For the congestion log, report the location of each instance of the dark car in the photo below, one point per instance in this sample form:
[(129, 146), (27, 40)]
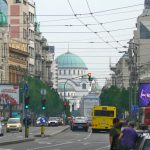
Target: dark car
[(79, 123)]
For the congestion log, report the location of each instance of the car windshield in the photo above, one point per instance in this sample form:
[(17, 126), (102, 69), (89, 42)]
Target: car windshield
[(13, 120), (53, 118)]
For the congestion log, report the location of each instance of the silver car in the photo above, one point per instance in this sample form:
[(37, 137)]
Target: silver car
[(143, 142), (1, 129)]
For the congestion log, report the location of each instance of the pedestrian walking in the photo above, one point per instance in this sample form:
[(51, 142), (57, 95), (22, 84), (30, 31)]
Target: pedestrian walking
[(128, 137), (114, 134)]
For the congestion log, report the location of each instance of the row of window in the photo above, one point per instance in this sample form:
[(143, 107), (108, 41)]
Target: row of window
[(30, 35), (27, 19), (31, 52), (71, 72)]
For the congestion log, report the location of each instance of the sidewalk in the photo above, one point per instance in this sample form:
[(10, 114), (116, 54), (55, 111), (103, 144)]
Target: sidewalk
[(49, 131)]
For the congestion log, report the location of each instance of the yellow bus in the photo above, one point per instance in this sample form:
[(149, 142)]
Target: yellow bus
[(102, 117)]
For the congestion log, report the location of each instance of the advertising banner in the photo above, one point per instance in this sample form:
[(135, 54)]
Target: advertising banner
[(9, 94), (144, 94)]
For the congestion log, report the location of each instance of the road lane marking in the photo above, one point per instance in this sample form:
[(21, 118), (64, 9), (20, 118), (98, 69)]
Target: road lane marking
[(103, 147), (4, 149), (88, 136), (50, 146), (86, 143)]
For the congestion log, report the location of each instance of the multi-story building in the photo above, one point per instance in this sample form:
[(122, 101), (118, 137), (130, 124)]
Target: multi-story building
[(141, 42), (21, 28), (47, 60), (17, 61), (3, 41), (30, 37), (38, 55), (121, 71)]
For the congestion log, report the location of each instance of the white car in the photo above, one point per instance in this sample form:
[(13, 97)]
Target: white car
[(1, 129), (53, 121)]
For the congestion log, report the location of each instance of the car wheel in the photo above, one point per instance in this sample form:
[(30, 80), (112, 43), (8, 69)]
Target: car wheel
[(93, 131)]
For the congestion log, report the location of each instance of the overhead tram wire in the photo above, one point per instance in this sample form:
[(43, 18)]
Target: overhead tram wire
[(101, 24), (106, 42), (96, 12), (90, 16), (76, 25)]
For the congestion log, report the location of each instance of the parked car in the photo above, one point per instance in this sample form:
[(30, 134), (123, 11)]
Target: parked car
[(60, 121), (2, 128), (14, 124), (143, 142), (79, 123), (53, 121)]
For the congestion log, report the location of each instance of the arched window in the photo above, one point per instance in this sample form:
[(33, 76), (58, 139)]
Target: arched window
[(64, 72), (83, 86), (69, 72), (74, 72)]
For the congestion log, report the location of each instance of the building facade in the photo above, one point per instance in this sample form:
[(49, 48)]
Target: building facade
[(141, 42), (121, 70)]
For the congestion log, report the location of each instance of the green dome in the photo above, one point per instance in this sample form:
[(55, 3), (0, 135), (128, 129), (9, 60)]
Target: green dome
[(69, 60), (3, 19), (68, 87)]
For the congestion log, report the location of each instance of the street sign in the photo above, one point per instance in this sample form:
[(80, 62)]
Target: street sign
[(43, 91), (135, 108), (42, 120), (25, 87)]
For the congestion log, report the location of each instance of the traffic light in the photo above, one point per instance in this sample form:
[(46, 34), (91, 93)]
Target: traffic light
[(27, 102), (89, 76), (43, 104)]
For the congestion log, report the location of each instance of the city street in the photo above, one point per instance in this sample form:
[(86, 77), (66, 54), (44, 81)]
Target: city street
[(78, 140)]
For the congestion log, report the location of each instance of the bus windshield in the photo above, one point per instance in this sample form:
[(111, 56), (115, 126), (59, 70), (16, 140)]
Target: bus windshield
[(104, 113)]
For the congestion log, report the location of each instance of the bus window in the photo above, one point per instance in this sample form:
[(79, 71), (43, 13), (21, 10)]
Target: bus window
[(104, 113)]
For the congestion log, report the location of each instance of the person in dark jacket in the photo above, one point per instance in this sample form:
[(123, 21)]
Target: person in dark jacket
[(114, 134)]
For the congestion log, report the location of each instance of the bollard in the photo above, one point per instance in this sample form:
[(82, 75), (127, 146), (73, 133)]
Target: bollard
[(26, 132), (42, 130)]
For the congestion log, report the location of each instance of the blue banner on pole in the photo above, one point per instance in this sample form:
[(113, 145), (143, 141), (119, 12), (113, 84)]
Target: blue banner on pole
[(135, 108), (25, 88)]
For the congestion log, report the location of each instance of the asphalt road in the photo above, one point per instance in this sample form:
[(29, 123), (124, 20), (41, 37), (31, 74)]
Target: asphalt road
[(67, 140), (33, 131)]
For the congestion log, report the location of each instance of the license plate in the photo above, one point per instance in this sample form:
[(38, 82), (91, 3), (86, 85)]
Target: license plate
[(80, 127)]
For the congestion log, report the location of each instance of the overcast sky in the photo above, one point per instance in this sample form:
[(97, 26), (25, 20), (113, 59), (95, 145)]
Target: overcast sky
[(96, 30)]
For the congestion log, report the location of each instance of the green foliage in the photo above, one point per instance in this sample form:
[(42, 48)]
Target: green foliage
[(114, 96), (54, 105)]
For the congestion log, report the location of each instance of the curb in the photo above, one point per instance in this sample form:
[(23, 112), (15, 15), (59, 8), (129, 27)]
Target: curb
[(17, 141), (49, 135)]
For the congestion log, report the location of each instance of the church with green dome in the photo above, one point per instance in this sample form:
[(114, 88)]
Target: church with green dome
[(73, 82)]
